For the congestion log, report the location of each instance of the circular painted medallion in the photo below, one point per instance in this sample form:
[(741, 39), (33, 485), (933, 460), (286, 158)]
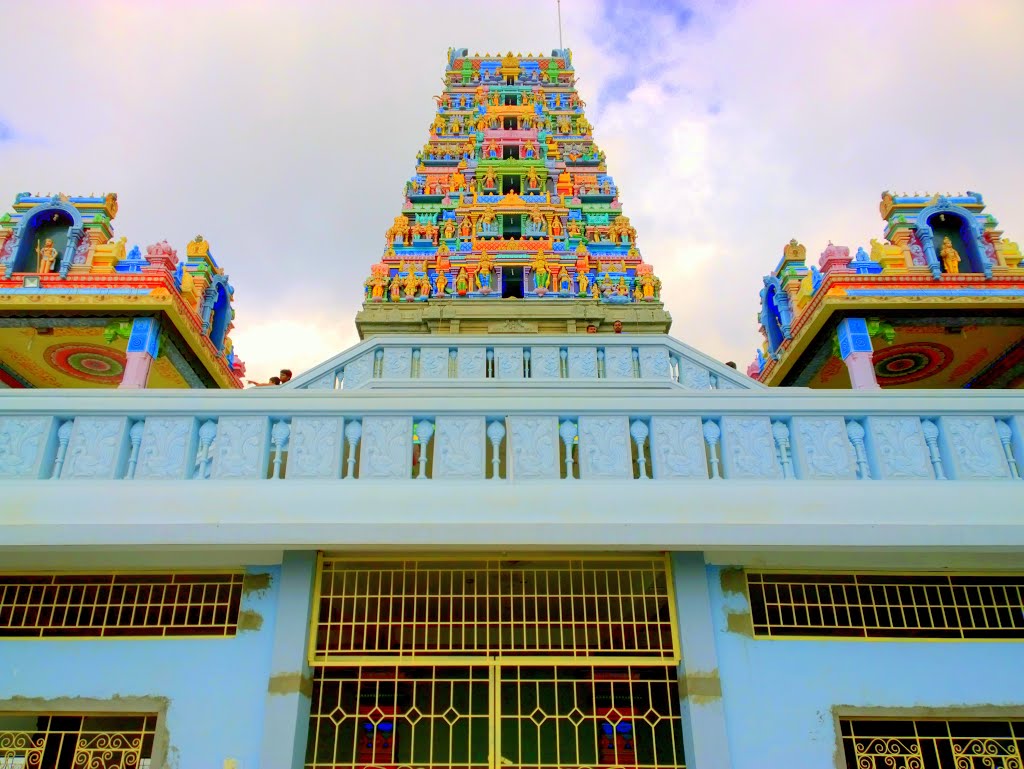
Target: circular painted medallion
[(906, 363), (88, 362)]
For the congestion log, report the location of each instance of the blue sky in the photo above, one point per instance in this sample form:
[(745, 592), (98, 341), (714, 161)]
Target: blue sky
[(284, 132)]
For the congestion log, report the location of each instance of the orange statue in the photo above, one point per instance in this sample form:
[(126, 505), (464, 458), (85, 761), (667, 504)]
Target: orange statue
[(564, 186), (532, 179), (47, 256), (556, 226), (396, 289), (490, 181), (456, 181), (582, 257), (466, 227)]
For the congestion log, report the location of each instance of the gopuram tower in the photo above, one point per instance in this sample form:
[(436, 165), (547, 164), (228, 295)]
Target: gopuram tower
[(511, 222)]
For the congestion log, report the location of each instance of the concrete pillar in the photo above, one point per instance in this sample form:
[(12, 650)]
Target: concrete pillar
[(286, 715), (855, 348), (704, 730), (143, 348)]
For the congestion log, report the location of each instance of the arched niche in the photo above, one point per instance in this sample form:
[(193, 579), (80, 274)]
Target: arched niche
[(55, 221), (945, 220), (217, 311), (776, 315)]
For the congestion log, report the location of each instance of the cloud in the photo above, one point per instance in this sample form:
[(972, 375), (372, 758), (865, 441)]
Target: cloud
[(285, 138)]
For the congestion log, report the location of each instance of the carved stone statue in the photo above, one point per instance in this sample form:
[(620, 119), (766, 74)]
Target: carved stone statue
[(484, 273), (950, 257), (449, 228), (461, 282), (490, 181), (564, 282), (396, 289), (440, 283), (47, 255), (584, 281), (532, 179), (541, 274)]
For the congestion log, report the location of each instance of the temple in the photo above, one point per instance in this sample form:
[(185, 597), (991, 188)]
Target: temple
[(79, 308), (518, 526), (938, 303)]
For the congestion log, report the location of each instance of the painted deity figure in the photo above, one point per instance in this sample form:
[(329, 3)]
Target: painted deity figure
[(461, 282), (438, 125), (532, 178), (950, 257), (396, 289), (376, 284), (622, 289), (564, 282), (440, 283), (412, 283), (490, 181), (484, 275), (424, 287), (584, 280), (556, 226), (541, 274), (466, 227), (449, 228), (47, 255), (647, 286), (456, 181), (575, 230)]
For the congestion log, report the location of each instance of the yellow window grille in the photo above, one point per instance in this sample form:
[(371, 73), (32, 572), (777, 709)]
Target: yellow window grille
[(932, 743), (578, 607), (75, 741), (477, 717), (104, 605), (866, 605)]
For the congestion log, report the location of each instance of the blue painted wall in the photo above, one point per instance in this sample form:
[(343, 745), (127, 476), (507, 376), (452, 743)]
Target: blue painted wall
[(779, 695), (217, 687)]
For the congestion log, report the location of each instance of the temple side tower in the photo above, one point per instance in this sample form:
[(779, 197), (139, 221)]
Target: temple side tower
[(511, 222)]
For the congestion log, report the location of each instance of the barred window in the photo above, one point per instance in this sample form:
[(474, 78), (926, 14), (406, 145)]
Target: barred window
[(865, 605), (106, 605), (579, 607), (75, 741), (931, 743)]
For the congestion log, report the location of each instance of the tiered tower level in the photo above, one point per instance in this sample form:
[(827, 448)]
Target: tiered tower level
[(511, 200), (937, 303), (80, 308)]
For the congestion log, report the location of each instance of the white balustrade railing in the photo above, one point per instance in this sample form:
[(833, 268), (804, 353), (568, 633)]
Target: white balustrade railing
[(576, 358), (575, 434)]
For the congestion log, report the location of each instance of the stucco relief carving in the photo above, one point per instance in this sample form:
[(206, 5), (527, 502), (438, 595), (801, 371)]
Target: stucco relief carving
[(748, 448), (359, 371), (693, 376), (168, 448), (315, 447), (899, 448), (460, 450), (604, 448), (324, 382), (823, 450), (677, 448), (654, 363), (26, 446), (434, 363), (534, 444), (545, 363), (98, 448), (976, 449), (471, 362), (386, 447), (241, 448), (583, 363), (509, 364), (397, 362), (618, 362)]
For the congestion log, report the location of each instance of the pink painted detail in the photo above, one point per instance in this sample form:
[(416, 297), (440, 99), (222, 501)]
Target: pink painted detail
[(753, 370), (834, 259), (862, 371), (510, 135), (162, 256), (136, 371)]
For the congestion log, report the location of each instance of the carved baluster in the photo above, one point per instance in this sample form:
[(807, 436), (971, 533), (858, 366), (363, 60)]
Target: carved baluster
[(563, 368), (567, 431), (207, 434), (931, 437), (526, 363), (415, 367), (712, 434), (1005, 436), (489, 366), (495, 432), (674, 368), (378, 363), (636, 363), (639, 431), (63, 436), (780, 431), (279, 437), (713, 377), (421, 435), (135, 434), (353, 432), (453, 363), (855, 432), (601, 372)]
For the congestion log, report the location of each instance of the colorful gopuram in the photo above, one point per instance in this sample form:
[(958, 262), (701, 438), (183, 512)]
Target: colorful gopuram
[(79, 308), (938, 302), (511, 199)]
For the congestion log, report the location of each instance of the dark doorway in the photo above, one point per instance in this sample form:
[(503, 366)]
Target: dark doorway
[(510, 153), (511, 226), (511, 100), (508, 123), (511, 282), (509, 184), (510, 80)]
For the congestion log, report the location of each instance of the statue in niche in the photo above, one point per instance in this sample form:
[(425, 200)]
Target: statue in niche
[(411, 284), (484, 273), (47, 255), (917, 257), (466, 227), (449, 229), (595, 290), (396, 289), (584, 280), (456, 181), (438, 125), (424, 287), (440, 284), (556, 227), (541, 274), (461, 282), (950, 257), (532, 178), (490, 181), (564, 282), (575, 230)]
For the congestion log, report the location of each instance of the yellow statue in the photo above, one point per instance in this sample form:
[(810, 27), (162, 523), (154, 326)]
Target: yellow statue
[(457, 181), (647, 285), (490, 180), (411, 284), (541, 273), (582, 126), (950, 257), (449, 228), (622, 288), (396, 289), (461, 282), (47, 256), (584, 282), (638, 295), (595, 290), (376, 283), (438, 125), (532, 178), (441, 283)]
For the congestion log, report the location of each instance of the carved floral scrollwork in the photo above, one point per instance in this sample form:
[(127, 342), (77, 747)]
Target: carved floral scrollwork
[(583, 363), (386, 450), (22, 441), (748, 448), (166, 449), (460, 451), (605, 447), (534, 447), (677, 448), (900, 447), (544, 363), (241, 448)]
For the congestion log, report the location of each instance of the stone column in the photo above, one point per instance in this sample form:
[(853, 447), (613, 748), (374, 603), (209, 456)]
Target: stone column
[(143, 347), (286, 715), (704, 732), (855, 349)]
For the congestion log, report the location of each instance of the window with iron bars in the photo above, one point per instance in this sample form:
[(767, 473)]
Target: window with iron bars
[(76, 741), (542, 663), (932, 743)]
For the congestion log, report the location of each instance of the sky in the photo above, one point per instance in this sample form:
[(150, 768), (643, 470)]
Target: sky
[(284, 132)]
